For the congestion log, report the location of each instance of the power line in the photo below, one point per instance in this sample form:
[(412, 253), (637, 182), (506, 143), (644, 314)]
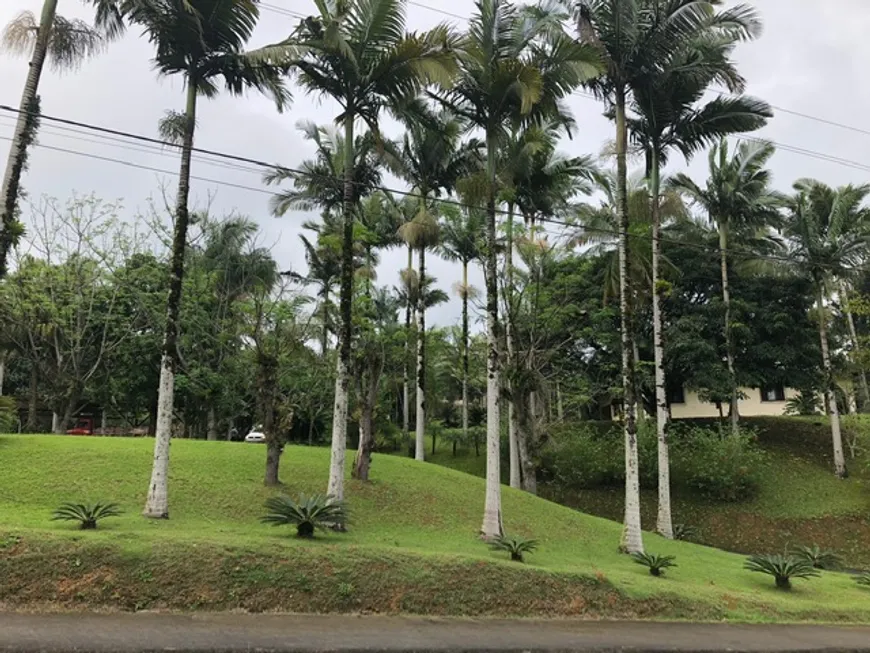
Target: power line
[(140, 166), (403, 193)]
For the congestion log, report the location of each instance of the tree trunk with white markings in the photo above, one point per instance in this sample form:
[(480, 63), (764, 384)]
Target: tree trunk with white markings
[(335, 488), (833, 411), (734, 410), (157, 503), (420, 431), (632, 538), (664, 521), (492, 519)]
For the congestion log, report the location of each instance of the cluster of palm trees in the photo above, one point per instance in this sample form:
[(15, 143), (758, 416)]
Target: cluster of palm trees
[(503, 84)]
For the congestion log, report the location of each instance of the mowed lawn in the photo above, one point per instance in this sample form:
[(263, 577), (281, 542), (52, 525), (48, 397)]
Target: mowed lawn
[(410, 511)]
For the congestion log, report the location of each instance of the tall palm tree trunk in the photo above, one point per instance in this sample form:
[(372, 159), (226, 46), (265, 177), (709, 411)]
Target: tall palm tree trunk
[(492, 520), (734, 412), (23, 136), (833, 411), (513, 426), (406, 391), (335, 488), (856, 350), (664, 522), (324, 330), (420, 448), (632, 538), (157, 503), (465, 358)]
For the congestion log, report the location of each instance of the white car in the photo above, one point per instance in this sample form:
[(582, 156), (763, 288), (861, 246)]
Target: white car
[(255, 436)]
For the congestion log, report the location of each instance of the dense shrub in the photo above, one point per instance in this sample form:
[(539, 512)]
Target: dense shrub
[(721, 468), (580, 458), (8, 416), (725, 468)]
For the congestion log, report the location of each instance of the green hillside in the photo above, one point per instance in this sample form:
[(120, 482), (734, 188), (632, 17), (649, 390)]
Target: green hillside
[(412, 544)]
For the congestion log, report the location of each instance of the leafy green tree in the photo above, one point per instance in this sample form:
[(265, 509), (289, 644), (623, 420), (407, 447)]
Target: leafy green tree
[(202, 41), (738, 200), (357, 52), (828, 230), (64, 44)]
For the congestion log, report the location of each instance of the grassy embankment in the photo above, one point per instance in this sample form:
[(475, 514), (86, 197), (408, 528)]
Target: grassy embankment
[(800, 500), (412, 546)]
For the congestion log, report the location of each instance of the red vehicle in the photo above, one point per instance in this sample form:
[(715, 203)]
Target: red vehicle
[(83, 426)]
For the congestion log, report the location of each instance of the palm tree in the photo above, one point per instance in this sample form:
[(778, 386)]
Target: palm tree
[(669, 119), (461, 233), (357, 52), (828, 230), (634, 38), (237, 268), (431, 160), (738, 200), (323, 271), (543, 184), (500, 83), (64, 44), (319, 182), (202, 41)]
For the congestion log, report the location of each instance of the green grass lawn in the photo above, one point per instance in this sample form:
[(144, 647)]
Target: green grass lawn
[(412, 542), (800, 500)]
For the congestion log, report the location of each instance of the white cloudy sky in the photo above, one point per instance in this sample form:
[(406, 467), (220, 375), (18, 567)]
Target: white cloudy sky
[(812, 60)]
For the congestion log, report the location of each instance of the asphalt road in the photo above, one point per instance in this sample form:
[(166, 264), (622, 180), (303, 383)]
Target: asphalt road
[(232, 633)]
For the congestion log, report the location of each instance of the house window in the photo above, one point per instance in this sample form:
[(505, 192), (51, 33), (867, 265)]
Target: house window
[(677, 395), (772, 393)]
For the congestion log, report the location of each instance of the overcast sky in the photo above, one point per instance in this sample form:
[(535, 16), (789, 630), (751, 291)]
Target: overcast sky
[(811, 59)]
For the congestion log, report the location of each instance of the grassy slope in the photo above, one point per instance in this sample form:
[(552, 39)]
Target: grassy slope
[(412, 545), (800, 500)]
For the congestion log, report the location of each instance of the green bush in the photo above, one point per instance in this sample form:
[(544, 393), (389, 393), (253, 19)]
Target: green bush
[(719, 468), (725, 468), (8, 415), (863, 579), (581, 458)]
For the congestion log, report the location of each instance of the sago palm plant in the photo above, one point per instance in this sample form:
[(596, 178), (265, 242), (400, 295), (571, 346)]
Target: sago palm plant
[(515, 545), (306, 513), (87, 514), (783, 568)]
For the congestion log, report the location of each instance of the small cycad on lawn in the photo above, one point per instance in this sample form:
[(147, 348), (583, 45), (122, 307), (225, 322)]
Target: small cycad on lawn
[(87, 514), (685, 532), (782, 568), (818, 558), (864, 579), (306, 514), (655, 563), (515, 545)]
